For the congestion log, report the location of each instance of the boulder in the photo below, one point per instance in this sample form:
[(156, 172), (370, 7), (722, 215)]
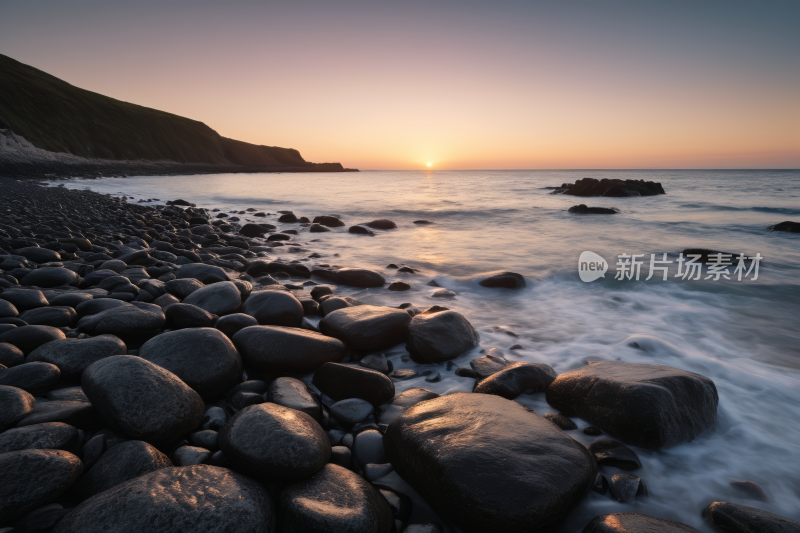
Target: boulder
[(218, 298), (334, 500), (650, 406), (489, 364), (73, 356), (30, 479), (381, 223), (124, 321), (792, 227), (47, 277), (501, 279), (341, 382), (58, 317), (180, 316), (738, 518), (438, 334), (201, 272), (635, 523), (48, 436), (252, 230), (35, 378), (359, 277), (281, 349), (360, 230), (367, 327), (318, 228), (612, 187), (329, 220), (176, 499), (297, 445), (334, 303), (274, 308), (489, 464), (203, 358), (142, 399), (28, 338), (516, 378)]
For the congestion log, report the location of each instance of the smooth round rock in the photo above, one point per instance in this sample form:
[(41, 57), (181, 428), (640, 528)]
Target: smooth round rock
[(70, 299), (328, 220), (182, 315), (334, 500), (502, 279), (359, 277), (368, 448), (30, 479), (205, 439), (28, 338), (281, 349), (142, 399), (49, 277), (124, 461), (351, 411), (635, 523), (73, 356), (489, 464), (438, 334), (190, 455), (48, 436), (341, 382), (10, 355), (231, 324), (218, 298), (124, 321), (293, 393), (381, 223), (514, 379), (182, 288), (92, 307), (367, 327), (7, 309), (738, 518), (36, 377), (23, 300), (203, 273), (669, 405), (58, 317), (176, 499), (80, 414), (297, 445), (38, 255), (387, 413), (274, 308)]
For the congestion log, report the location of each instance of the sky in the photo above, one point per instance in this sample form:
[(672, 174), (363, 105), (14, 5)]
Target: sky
[(460, 85)]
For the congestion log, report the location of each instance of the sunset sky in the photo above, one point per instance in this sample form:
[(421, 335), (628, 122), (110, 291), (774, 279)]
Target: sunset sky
[(394, 85)]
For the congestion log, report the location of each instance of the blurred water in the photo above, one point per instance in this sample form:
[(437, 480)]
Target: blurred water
[(742, 334)]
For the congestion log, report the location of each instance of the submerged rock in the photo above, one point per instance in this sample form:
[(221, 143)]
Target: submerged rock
[(635, 523), (502, 279), (489, 464), (613, 187), (583, 210), (792, 227)]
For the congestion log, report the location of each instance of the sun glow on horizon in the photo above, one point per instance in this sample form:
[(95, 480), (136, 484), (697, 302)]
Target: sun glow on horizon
[(429, 164)]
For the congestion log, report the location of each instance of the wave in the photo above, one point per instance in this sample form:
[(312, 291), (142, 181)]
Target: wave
[(757, 209)]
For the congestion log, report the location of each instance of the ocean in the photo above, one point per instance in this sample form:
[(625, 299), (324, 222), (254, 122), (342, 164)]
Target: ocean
[(743, 334)]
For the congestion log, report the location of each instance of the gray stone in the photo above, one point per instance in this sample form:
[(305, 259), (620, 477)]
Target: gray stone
[(92, 307), (214, 418), (28, 338), (514, 379), (49, 277), (376, 362), (203, 273), (334, 303), (142, 399), (68, 394), (438, 334), (368, 448), (359, 277), (38, 255), (204, 358), (205, 439), (81, 414), (181, 288), (342, 456), (282, 349), (231, 324), (274, 308), (124, 321), (387, 413), (190, 456), (351, 411), (73, 356), (7, 309), (625, 488), (24, 299), (373, 471), (341, 382), (739, 518), (635, 523), (502, 279), (218, 298), (36, 378), (49, 436), (10, 355), (176, 499), (293, 393), (58, 317), (367, 327), (182, 315), (612, 453)]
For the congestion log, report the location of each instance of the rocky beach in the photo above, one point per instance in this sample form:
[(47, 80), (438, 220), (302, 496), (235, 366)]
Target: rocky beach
[(165, 367)]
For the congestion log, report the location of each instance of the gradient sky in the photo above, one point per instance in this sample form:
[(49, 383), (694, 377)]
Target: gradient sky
[(373, 85)]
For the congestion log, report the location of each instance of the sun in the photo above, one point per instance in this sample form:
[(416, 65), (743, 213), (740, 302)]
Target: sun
[(429, 164)]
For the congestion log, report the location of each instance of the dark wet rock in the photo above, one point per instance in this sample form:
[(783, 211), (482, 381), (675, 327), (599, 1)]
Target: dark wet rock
[(368, 448), (190, 456), (376, 362), (341, 456), (35, 378), (203, 273), (180, 316), (281, 349), (253, 385), (58, 317), (297, 446), (535, 473), (422, 222), (583, 210), (351, 411), (360, 230), (165, 300), (321, 290), (334, 303), (278, 237), (218, 298), (49, 436), (205, 439), (625, 487), (341, 382), (317, 228), (612, 187), (38, 255), (376, 471), (438, 334), (124, 321), (792, 227), (398, 286), (381, 223), (650, 406), (125, 461), (561, 421), (68, 394), (10, 355), (92, 307), (488, 364), (242, 399), (22, 300), (73, 356), (424, 528), (28, 338), (293, 393), (7, 309), (514, 379), (42, 519), (329, 220), (387, 413), (612, 453), (600, 485), (274, 308), (751, 489), (21, 480), (142, 399), (359, 277), (592, 431), (334, 500), (403, 374), (231, 324), (444, 293), (214, 418), (635, 523), (467, 373), (182, 288), (70, 299), (738, 518), (80, 414), (501, 279), (367, 327), (176, 499), (253, 230), (50, 277), (203, 358)]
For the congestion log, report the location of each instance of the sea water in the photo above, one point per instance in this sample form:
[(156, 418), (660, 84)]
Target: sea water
[(741, 334)]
